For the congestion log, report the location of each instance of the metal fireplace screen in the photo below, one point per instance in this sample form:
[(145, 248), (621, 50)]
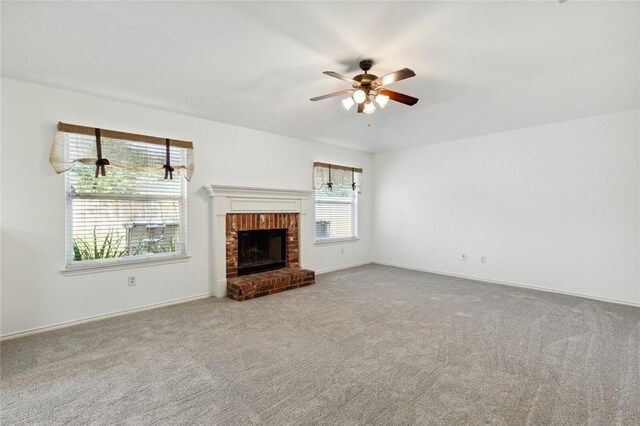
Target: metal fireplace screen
[(261, 250)]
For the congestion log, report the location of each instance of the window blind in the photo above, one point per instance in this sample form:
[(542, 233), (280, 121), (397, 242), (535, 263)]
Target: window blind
[(333, 176), (335, 213), (131, 213), (337, 189), (112, 144)]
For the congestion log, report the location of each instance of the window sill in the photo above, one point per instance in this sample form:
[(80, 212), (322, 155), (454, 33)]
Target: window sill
[(92, 269), (336, 241)]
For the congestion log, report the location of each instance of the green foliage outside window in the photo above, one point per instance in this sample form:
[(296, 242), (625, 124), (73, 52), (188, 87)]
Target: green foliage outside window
[(98, 247), (335, 192), (116, 182)]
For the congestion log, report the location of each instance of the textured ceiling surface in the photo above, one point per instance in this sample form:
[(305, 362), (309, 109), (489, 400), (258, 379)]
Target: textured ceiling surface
[(482, 67)]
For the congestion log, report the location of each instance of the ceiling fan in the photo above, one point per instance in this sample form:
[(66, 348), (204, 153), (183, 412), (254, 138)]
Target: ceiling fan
[(365, 88)]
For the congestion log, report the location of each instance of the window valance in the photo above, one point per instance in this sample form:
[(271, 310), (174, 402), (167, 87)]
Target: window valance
[(109, 148), (333, 176)]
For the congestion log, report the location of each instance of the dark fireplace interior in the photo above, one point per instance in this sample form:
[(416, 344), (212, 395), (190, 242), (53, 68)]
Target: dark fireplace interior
[(261, 250)]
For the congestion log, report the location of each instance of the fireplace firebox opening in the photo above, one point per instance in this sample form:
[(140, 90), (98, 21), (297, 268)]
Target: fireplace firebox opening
[(261, 250)]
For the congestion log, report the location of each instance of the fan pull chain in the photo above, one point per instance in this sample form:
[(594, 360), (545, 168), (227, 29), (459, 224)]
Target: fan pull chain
[(330, 184)]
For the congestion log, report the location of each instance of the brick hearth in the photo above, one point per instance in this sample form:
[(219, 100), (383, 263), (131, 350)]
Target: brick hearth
[(271, 282)]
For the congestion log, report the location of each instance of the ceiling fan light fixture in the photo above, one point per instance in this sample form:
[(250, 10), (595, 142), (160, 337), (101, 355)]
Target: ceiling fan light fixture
[(347, 103), (382, 100), (369, 108), (359, 96), (367, 90)]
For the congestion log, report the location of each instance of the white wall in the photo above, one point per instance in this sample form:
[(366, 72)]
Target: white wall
[(34, 292), (555, 206)]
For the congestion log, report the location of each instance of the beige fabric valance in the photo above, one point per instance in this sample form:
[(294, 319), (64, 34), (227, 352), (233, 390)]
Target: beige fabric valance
[(109, 148), (334, 176)]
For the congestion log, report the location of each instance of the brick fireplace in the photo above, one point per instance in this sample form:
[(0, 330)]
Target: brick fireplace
[(260, 221), (239, 211)]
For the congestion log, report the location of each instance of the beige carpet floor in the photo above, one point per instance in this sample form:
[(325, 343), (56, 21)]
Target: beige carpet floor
[(369, 345)]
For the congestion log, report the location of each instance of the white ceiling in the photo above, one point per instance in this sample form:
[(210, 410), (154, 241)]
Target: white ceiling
[(481, 67)]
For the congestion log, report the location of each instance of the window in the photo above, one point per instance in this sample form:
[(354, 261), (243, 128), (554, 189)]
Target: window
[(130, 214), (337, 190), (336, 214)]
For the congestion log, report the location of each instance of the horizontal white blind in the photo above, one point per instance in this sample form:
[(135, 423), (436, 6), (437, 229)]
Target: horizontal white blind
[(129, 213), (335, 213)]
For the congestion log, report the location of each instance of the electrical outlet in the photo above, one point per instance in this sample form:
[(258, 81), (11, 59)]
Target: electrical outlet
[(132, 281), (464, 256), (483, 259), (341, 250)]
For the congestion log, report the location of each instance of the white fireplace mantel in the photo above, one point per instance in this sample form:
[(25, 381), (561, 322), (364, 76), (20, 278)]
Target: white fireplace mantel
[(239, 199)]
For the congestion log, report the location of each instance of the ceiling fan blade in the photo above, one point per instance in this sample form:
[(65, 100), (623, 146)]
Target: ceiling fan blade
[(394, 76), (341, 77), (331, 95), (399, 97), (361, 107)]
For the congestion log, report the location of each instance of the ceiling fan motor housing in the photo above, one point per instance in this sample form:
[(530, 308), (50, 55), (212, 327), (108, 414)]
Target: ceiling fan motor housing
[(366, 65), (365, 79)]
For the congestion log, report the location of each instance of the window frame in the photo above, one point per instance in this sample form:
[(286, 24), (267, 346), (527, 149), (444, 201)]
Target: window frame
[(87, 266), (354, 217)]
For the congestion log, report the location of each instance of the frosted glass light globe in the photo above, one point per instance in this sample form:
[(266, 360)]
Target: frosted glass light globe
[(382, 100), (359, 96), (369, 108), (347, 103)]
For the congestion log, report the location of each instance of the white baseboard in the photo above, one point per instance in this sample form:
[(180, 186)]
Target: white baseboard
[(340, 268), (44, 329), (101, 317), (511, 284)]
